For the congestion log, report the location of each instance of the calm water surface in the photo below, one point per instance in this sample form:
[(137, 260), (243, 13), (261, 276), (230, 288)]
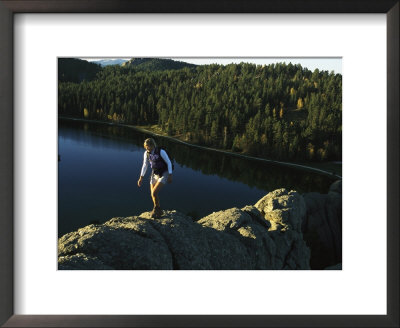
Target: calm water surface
[(100, 164)]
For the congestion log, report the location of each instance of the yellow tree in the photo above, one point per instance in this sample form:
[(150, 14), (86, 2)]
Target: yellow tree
[(310, 150), (300, 103)]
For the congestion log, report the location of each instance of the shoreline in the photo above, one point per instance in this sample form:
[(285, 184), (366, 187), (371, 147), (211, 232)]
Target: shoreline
[(299, 166)]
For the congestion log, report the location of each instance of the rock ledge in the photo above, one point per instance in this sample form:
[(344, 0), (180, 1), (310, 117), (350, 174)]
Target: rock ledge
[(264, 236)]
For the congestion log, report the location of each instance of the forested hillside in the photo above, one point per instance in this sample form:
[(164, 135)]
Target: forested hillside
[(155, 64), (279, 111), (76, 70)]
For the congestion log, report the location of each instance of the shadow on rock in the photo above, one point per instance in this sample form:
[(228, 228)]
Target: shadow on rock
[(322, 226)]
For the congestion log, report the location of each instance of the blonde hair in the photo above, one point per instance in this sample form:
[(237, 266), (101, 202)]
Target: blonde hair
[(150, 142)]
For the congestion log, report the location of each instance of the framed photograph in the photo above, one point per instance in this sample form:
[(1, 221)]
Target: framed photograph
[(218, 55)]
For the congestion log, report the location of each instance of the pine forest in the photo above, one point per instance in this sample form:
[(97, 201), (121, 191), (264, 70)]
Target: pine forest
[(278, 111)]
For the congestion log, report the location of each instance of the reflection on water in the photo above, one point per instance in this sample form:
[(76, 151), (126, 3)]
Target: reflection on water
[(100, 165)]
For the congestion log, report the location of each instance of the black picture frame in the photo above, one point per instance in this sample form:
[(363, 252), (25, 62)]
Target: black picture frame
[(10, 7)]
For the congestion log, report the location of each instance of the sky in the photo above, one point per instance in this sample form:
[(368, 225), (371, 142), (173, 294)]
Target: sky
[(323, 64)]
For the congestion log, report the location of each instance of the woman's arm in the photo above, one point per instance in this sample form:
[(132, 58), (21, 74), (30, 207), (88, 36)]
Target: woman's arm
[(144, 169), (145, 164)]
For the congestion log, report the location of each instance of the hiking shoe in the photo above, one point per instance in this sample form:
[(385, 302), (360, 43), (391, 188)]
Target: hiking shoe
[(157, 212)]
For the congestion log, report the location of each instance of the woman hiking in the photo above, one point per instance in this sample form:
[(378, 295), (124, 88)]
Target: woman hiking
[(161, 172)]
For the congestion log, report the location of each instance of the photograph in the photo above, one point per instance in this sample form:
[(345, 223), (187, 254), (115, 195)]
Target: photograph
[(202, 164), (199, 163)]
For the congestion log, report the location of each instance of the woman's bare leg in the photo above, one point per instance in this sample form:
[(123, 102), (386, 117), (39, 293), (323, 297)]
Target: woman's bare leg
[(155, 189)]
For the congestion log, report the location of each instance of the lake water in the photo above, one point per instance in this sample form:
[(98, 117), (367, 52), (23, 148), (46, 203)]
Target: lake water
[(100, 164)]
